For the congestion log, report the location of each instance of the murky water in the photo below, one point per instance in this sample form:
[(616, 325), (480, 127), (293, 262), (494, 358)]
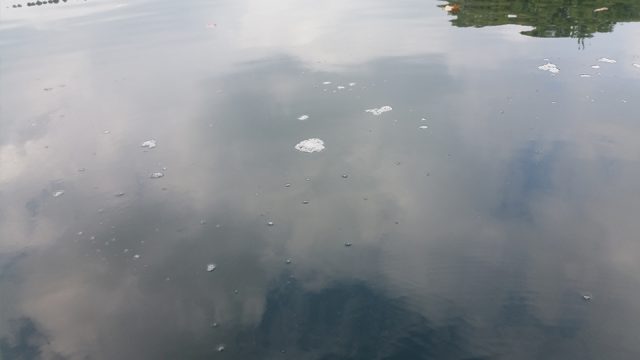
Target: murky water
[(470, 201)]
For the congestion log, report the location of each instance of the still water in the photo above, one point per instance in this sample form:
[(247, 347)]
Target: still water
[(298, 179)]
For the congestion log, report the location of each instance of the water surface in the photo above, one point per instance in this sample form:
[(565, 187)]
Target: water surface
[(490, 214)]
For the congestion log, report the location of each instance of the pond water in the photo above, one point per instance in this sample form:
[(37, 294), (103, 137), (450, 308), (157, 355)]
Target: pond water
[(297, 179)]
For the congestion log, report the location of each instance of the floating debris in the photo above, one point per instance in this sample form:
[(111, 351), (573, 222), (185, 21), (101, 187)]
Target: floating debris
[(380, 110), (348, 244), (106, 132), (345, 176), (587, 297), (287, 261), (305, 202), (326, 83), (552, 68), (303, 117), (512, 16), (149, 144), (340, 87), (120, 194), (595, 66), (606, 60), (270, 223), (423, 127), (585, 75), (352, 84), (637, 65), (600, 9), (452, 8), (287, 185), (310, 145), (156, 175), (211, 267), (58, 193), (220, 347), (136, 256)]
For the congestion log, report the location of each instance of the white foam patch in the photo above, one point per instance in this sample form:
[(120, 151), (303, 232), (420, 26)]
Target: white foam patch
[(380, 110), (585, 75), (606, 60), (149, 144), (637, 65), (552, 68), (310, 145), (303, 117), (58, 193), (595, 66)]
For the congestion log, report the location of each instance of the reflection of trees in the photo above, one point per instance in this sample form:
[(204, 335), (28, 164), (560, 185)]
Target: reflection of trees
[(350, 321), (549, 18)]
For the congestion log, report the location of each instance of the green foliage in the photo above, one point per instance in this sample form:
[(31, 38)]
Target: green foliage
[(549, 18)]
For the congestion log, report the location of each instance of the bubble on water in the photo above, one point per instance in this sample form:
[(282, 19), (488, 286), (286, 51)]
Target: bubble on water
[(345, 176), (58, 193), (270, 223), (310, 145), (211, 267), (607, 60), (149, 144), (220, 348), (380, 110), (552, 68), (156, 175), (348, 244), (136, 256), (288, 261), (303, 117), (423, 127)]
